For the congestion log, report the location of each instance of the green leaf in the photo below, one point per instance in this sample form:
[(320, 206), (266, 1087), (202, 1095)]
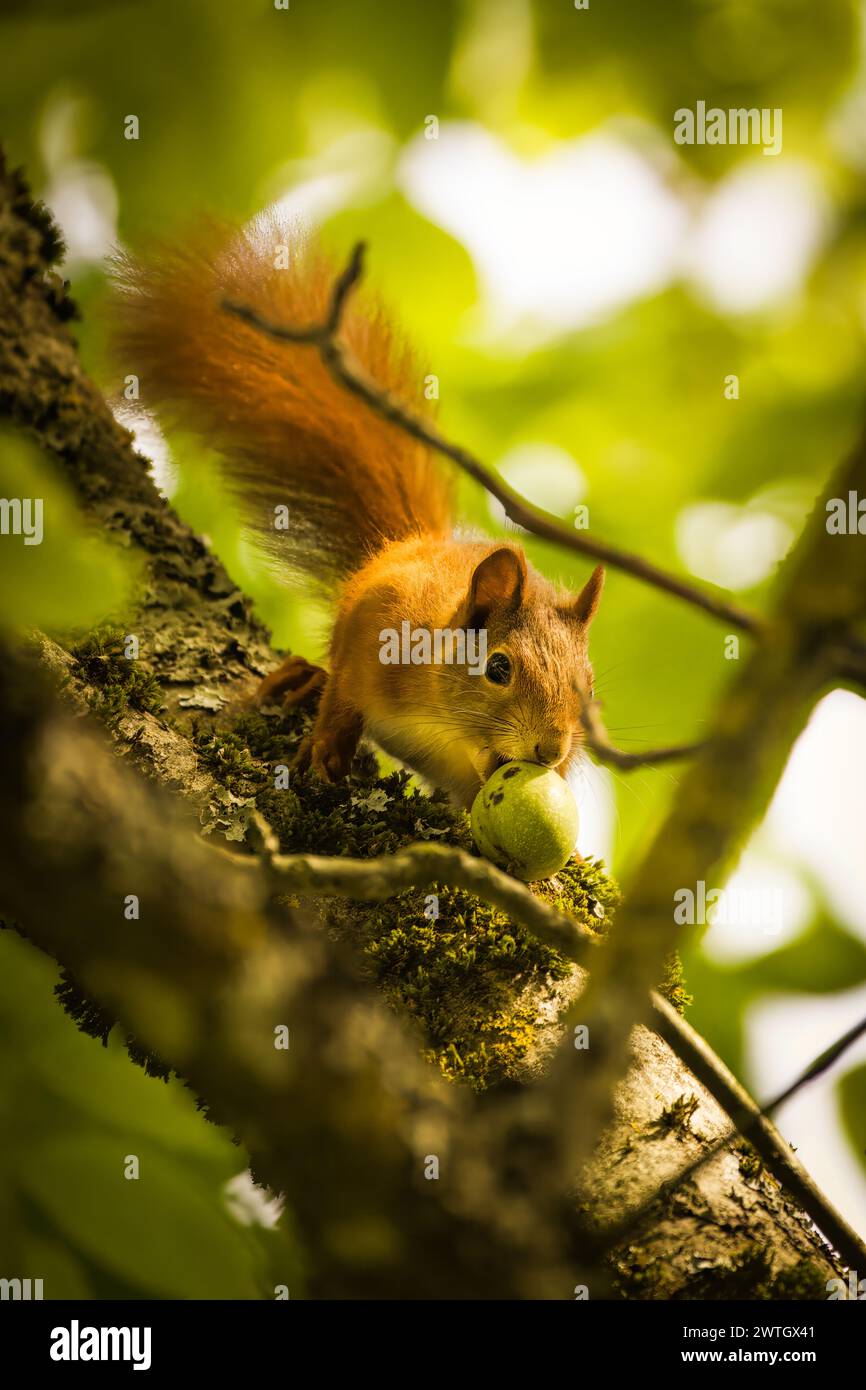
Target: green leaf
[(61, 574), (64, 1065), (824, 959), (158, 1233), (61, 1273), (851, 1098)]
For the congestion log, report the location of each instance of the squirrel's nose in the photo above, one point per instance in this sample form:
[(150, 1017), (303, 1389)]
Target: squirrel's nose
[(550, 752)]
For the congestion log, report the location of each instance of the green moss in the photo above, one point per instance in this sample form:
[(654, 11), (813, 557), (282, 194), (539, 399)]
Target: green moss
[(468, 977), (678, 1117), (52, 246), (471, 981), (751, 1166), (461, 978), (803, 1282), (673, 984), (748, 1276), (751, 1277), (229, 760), (119, 683)]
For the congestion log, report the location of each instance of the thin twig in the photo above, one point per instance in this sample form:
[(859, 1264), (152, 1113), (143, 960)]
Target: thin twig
[(751, 1122), (346, 370), (419, 865), (598, 741)]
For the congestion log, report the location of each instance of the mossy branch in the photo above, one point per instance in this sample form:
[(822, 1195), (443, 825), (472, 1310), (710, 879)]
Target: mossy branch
[(421, 865), (753, 1123), (342, 1119)]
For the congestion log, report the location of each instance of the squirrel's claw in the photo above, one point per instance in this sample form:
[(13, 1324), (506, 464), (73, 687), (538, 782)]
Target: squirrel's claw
[(329, 761), (301, 760), (326, 759)]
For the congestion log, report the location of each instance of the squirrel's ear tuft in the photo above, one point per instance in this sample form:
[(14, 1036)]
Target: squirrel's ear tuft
[(497, 583), (585, 606)]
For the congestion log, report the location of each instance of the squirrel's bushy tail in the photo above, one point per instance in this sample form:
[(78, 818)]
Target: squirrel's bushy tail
[(286, 433)]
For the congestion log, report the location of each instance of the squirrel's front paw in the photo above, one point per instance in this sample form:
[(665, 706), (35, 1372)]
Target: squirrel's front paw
[(329, 761), (301, 760), (324, 756), (326, 759), (292, 683)]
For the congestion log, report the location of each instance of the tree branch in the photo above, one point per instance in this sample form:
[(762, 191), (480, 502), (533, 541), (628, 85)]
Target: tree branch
[(341, 1121), (821, 596), (752, 1123), (598, 740), (422, 865), (211, 945)]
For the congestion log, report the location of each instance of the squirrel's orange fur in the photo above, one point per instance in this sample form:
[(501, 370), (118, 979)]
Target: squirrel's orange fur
[(369, 512), (287, 433)]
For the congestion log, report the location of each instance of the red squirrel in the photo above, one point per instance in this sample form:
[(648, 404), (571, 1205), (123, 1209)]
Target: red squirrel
[(370, 513)]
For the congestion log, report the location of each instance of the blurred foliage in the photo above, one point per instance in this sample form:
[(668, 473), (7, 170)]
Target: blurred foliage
[(824, 959), (55, 574), (657, 58), (72, 1113), (852, 1104), (241, 104)]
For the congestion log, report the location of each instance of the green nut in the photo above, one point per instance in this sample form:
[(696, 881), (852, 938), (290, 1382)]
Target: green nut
[(525, 820)]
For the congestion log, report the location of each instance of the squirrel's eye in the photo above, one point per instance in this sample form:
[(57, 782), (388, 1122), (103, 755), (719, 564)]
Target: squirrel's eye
[(498, 669)]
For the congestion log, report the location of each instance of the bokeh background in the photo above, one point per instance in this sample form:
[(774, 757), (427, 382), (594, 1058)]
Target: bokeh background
[(584, 289)]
